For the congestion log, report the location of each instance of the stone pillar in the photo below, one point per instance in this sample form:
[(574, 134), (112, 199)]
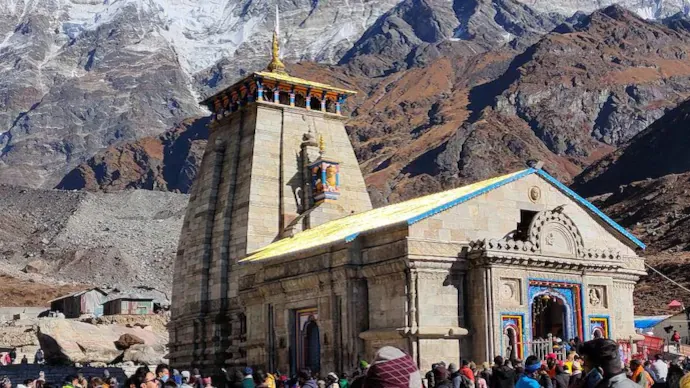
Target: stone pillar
[(292, 98), (276, 95), (338, 104), (323, 104), (259, 91)]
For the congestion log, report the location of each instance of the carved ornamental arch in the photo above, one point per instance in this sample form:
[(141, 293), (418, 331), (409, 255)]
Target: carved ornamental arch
[(552, 232)]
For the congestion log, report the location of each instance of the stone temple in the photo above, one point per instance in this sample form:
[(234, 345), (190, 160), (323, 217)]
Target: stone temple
[(284, 264)]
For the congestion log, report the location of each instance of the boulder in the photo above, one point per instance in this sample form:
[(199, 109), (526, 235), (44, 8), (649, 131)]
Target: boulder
[(69, 341), (36, 266), (144, 354), (127, 340)]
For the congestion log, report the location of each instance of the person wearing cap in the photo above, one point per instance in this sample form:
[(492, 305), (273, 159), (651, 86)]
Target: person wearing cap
[(248, 380), (391, 368), (429, 376), (344, 382), (551, 360), (601, 357), (185, 379), (332, 380), (455, 377), (533, 376), (458, 379)]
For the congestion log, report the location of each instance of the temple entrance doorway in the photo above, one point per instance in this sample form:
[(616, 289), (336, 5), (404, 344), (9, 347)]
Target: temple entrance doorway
[(306, 349), (548, 317)]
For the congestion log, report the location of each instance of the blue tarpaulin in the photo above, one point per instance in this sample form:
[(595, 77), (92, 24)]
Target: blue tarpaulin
[(647, 322)]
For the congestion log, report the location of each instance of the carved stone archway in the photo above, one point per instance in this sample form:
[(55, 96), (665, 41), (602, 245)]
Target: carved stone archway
[(553, 232)]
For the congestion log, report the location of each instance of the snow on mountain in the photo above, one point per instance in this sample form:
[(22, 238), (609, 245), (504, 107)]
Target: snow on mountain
[(79, 75), (648, 9)]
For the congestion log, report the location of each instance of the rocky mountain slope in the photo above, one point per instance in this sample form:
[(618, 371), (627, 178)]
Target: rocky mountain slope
[(167, 162), (644, 184), (65, 93), (119, 240), (77, 76), (103, 96), (445, 117)]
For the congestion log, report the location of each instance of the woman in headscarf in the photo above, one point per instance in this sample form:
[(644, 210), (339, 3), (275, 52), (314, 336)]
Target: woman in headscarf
[(392, 368)]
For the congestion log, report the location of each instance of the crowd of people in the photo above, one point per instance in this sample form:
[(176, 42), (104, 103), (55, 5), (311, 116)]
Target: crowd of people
[(9, 358), (593, 364)]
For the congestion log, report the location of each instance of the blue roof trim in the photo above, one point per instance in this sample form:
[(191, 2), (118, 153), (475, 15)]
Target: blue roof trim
[(651, 321), (469, 196), (351, 237), (591, 207)]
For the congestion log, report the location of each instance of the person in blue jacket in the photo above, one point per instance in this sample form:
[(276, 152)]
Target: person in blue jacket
[(534, 376)]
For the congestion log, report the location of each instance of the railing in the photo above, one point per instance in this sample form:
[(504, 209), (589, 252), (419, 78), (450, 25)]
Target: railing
[(541, 347)]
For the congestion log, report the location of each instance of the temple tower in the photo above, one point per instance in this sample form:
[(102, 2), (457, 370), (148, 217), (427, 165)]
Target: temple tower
[(278, 161)]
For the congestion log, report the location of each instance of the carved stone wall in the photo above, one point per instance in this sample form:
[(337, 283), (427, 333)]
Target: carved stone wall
[(387, 301), (510, 292), (597, 297), (623, 309)]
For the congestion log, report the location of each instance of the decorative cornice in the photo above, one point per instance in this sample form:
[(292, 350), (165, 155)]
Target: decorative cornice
[(520, 259), (531, 251), (384, 268)]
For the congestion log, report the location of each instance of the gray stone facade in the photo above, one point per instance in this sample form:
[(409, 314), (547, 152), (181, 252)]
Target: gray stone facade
[(245, 195), (441, 288), (477, 277)]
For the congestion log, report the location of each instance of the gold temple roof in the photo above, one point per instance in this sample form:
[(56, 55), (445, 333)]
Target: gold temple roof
[(288, 79), (347, 228)]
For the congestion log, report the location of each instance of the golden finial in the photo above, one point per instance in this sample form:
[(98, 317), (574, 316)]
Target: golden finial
[(276, 65), (322, 145)]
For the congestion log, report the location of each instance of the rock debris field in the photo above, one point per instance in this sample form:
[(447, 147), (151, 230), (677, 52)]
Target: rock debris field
[(123, 240)]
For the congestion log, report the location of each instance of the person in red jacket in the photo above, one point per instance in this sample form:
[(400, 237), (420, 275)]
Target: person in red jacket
[(466, 371), (675, 338)]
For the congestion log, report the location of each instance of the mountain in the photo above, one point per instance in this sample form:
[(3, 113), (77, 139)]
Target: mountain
[(448, 116), (644, 184), (124, 239), (645, 181), (102, 96), (647, 9), (166, 162), (417, 31), (79, 75)]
